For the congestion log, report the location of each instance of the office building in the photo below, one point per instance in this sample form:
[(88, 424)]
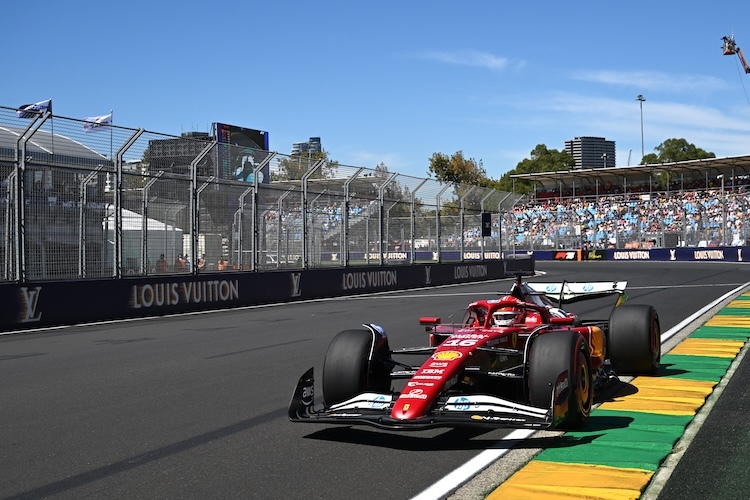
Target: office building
[(592, 152), (308, 148)]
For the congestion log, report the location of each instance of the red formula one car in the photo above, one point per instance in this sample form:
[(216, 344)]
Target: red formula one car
[(516, 361)]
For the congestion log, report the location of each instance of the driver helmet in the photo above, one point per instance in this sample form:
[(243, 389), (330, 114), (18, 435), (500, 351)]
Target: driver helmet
[(505, 317)]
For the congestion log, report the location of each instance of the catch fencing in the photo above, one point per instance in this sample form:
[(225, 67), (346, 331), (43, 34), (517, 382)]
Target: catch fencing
[(78, 202)]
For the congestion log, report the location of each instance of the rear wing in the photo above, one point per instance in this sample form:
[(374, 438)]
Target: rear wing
[(569, 292)]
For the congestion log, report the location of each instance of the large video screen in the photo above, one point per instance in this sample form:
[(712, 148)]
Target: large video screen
[(240, 151)]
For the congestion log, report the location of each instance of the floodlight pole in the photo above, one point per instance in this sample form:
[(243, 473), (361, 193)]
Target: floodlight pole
[(640, 100)]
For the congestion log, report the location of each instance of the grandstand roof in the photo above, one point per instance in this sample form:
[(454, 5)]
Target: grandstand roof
[(43, 145), (639, 174)]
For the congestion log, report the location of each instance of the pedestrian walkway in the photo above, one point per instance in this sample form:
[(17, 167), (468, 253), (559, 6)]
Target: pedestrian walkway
[(627, 438)]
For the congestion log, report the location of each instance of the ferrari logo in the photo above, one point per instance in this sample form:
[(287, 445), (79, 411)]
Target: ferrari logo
[(405, 408), (514, 339)]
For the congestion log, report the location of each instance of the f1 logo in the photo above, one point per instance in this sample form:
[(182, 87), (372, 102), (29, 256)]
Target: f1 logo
[(30, 298)]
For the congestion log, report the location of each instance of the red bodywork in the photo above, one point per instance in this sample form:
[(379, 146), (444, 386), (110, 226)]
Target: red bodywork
[(460, 344), (477, 372)]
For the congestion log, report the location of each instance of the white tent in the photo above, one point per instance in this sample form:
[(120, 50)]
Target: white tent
[(163, 238)]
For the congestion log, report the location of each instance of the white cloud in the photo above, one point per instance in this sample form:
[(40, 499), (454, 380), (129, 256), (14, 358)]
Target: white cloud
[(652, 80), (474, 58), (573, 115), (583, 108)]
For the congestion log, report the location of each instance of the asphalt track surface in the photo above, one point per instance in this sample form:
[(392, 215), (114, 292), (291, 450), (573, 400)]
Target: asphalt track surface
[(194, 406)]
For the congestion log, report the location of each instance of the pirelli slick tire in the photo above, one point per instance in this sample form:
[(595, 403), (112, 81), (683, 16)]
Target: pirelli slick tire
[(634, 340), (560, 361), (353, 365)]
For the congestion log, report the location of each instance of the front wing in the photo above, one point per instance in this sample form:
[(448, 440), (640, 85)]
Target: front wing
[(472, 410)]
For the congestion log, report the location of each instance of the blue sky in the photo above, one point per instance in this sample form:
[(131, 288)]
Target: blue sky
[(393, 81)]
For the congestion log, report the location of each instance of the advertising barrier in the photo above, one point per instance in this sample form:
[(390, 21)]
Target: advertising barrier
[(41, 304), (683, 254)]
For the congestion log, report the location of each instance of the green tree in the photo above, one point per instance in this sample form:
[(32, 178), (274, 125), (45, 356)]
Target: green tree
[(542, 159), (292, 168), (397, 197), (673, 150), (456, 169)]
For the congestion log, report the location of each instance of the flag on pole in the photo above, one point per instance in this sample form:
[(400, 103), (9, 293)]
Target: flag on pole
[(34, 110), (97, 123)]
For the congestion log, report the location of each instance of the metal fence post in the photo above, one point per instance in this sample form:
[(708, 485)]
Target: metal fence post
[(241, 226), (381, 216), (194, 214), (82, 201), (144, 221), (118, 201), (305, 243), (194, 206), (413, 217), (461, 222), (20, 173), (344, 250), (438, 234)]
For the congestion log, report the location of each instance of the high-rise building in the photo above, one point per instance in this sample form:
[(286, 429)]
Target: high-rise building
[(592, 152), (175, 154), (308, 148)]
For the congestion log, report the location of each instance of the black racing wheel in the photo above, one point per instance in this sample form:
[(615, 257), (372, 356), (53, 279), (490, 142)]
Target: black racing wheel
[(354, 364), (634, 339), (555, 354)]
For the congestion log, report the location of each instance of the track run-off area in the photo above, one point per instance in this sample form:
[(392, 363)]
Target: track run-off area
[(195, 405)]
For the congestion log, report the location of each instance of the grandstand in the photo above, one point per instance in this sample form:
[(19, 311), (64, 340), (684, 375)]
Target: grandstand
[(693, 203)]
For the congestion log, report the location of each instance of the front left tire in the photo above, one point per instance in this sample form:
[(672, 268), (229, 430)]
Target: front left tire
[(353, 365)]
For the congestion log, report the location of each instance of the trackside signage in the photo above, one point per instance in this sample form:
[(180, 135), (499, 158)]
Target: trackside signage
[(631, 255), (54, 303), (369, 280), (196, 292), (462, 273), (708, 254), (724, 254)]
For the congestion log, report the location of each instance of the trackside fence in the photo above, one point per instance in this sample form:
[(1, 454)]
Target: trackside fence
[(78, 202)]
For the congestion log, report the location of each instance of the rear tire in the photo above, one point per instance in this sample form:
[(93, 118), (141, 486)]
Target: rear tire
[(634, 340), (555, 353), (348, 369)]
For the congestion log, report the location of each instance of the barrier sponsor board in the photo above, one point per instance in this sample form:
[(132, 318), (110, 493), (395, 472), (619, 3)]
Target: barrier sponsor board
[(723, 254), (58, 303)]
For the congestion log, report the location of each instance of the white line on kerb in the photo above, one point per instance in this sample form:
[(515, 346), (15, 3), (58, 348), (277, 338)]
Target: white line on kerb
[(471, 468), (467, 471)]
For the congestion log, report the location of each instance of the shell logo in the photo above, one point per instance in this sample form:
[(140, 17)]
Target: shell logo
[(446, 355)]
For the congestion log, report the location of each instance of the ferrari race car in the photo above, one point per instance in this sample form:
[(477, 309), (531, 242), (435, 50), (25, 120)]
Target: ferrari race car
[(518, 361)]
